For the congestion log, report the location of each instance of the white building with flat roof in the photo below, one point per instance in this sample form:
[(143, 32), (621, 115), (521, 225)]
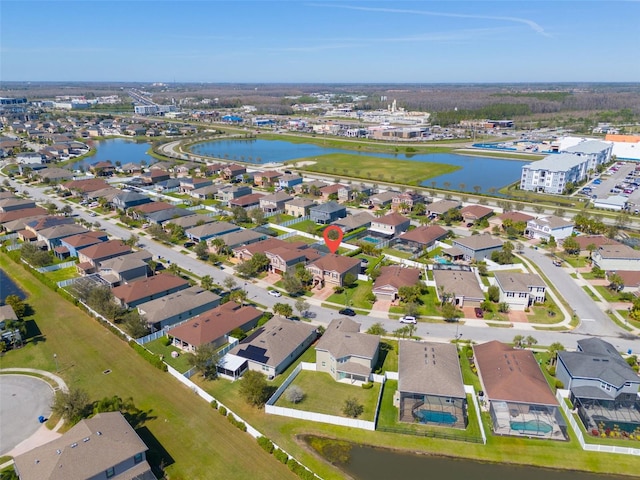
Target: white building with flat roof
[(598, 153), (553, 172)]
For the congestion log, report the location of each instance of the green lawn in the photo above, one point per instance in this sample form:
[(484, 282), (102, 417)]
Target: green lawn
[(181, 363), (373, 168), (397, 253), (355, 296), (607, 294), (628, 319), (62, 274), (307, 226), (574, 260), (319, 386), (540, 313), (388, 356), (182, 431), (590, 293), (429, 306)]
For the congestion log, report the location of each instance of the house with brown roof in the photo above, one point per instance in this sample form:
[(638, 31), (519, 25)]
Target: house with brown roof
[(77, 242), (85, 186), (474, 213), (213, 327), (596, 241), (103, 446), (459, 284), (478, 247), (247, 202), (141, 211), (430, 387), (233, 171), (284, 258), (520, 400), (132, 294), (155, 175), (345, 353), (270, 349), (32, 213), (46, 222), (392, 278), (246, 252), (422, 238), (332, 268), (510, 217), (176, 307), (268, 178), (390, 225), (89, 258)]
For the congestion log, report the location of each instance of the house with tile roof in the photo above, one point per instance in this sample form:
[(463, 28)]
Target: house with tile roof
[(611, 258), (478, 247), (90, 257), (474, 213), (392, 278), (345, 353), (520, 290), (422, 238), (247, 202), (332, 269), (132, 294), (442, 206), (390, 225)]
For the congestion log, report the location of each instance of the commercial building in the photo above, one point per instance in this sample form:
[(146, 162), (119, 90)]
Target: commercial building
[(554, 172)]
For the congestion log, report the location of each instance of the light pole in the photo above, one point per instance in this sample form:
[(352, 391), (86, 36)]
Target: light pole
[(55, 358)]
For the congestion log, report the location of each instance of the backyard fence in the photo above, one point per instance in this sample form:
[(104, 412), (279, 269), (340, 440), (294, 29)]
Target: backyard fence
[(8, 236), (15, 246), (295, 220), (151, 337), (53, 268), (471, 391), (221, 353), (430, 434), (66, 283), (561, 395)]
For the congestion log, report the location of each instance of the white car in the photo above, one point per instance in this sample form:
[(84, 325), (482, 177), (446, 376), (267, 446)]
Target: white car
[(408, 319), (275, 293)]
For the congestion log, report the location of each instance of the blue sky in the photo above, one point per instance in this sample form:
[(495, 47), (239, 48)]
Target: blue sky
[(320, 41)]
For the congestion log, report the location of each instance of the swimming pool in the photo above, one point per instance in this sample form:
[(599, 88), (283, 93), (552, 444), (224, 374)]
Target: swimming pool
[(373, 240), (442, 260), (531, 426), (425, 416)]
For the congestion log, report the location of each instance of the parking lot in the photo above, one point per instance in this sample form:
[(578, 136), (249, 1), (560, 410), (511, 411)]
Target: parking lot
[(620, 179)]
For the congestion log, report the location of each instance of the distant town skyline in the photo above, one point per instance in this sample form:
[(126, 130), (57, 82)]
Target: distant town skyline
[(320, 41)]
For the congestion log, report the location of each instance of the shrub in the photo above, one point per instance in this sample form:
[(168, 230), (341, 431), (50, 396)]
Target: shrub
[(281, 456), (295, 394), (148, 356), (214, 404), (367, 385), (299, 470), (552, 370), (223, 411), (559, 384), (166, 341), (266, 444), (241, 425)]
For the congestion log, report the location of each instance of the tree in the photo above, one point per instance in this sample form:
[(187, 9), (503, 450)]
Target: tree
[(571, 246), (204, 360), (517, 341), (352, 408), (503, 307), (201, 250), (132, 241), (410, 293), (592, 247), (450, 313), (238, 296), (411, 309), (206, 282), (530, 341), (18, 305), (219, 246), (114, 404), (292, 284), (33, 255), (295, 394), (554, 348), (254, 388), (283, 309), (66, 210), (377, 329), (51, 207), (257, 215), (239, 215), (73, 405), (229, 283), (493, 293), (349, 279), (302, 306), (552, 244), (616, 283)]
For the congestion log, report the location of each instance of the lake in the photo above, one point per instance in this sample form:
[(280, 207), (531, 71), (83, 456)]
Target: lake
[(367, 463), (487, 172), (8, 287), (117, 149)]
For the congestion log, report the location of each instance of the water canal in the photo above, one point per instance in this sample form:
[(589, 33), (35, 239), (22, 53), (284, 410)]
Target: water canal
[(8, 287)]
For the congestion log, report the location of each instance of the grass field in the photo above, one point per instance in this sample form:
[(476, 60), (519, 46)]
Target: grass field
[(356, 296), (190, 437), (375, 168), (62, 274)]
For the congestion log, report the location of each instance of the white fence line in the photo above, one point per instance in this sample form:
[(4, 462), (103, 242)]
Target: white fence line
[(53, 268), (561, 395), (471, 391)]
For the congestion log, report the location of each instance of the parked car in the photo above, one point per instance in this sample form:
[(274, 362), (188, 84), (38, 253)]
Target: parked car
[(93, 214), (348, 312), (479, 313), (408, 319), (275, 293)]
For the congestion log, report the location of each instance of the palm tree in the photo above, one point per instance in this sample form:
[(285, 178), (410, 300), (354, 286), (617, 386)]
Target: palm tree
[(462, 186), (554, 348), (477, 188), (517, 340), (530, 341)]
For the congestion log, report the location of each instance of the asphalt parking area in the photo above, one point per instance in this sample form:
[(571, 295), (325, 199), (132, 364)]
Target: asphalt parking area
[(23, 399)]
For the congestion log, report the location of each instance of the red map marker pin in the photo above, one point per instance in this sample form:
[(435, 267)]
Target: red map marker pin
[(333, 243)]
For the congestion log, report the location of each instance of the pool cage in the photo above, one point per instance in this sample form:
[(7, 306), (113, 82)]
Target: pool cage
[(528, 420), (606, 414), (433, 410)]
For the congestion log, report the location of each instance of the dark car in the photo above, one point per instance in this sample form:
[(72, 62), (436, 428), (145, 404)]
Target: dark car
[(188, 244), (348, 312), (479, 313)]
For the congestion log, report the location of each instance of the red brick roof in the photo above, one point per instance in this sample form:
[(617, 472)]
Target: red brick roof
[(425, 234), (597, 240), (152, 207), (133, 291), (475, 212), (25, 212), (105, 249), (515, 217)]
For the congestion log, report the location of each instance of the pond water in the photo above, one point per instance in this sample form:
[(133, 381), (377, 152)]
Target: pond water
[(486, 172), (8, 287), (117, 149), (367, 463)]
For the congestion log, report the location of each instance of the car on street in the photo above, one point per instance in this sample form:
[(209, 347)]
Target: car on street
[(93, 214), (408, 319), (275, 293), (479, 313), (348, 312)]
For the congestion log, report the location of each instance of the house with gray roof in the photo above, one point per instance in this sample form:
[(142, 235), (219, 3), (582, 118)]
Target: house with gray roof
[(520, 290), (226, 194), (103, 446), (210, 230), (616, 257), (125, 268), (459, 283), (353, 222), (164, 216), (242, 237), (274, 202), (191, 220), (382, 199), (126, 200), (604, 388), (549, 226), (298, 207), (52, 236), (595, 151), (345, 353), (270, 349), (326, 213), (15, 203), (430, 387), (478, 247), (178, 306), (442, 206)]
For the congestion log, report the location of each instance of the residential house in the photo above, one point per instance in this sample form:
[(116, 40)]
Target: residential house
[(616, 257), (458, 284), (210, 230), (392, 278), (54, 174), (422, 238), (155, 176), (140, 211), (274, 202), (345, 353), (233, 171), (15, 203), (242, 237), (630, 280), (32, 213), (349, 193), (269, 350), (75, 243), (520, 400), (169, 185), (390, 225), (405, 201), (227, 194), (353, 222), (441, 206), (430, 387), (191, 221), (131, 168), (313, 187), (248, 202), (382, 199), (475, 213), (590, 243), (268, 178), (176, 307), (127, 200), (103, 169), (520, 290), (510, 218), (188, 185), (103, 446), (478, 247), (43, 223), (132, 294), (330, 192), (163, 216), (90, 257), (246, 252), (298, 207), (52, 236), (332, 269), (284, 258), (549, 226), (214, 327), (125, 268), (604, 388), (85, 186), (326, 213), (289, 180), (108, 194), (208, 192)]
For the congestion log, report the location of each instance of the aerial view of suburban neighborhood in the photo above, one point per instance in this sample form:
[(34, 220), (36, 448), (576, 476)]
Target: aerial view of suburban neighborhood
[(341, 248)]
